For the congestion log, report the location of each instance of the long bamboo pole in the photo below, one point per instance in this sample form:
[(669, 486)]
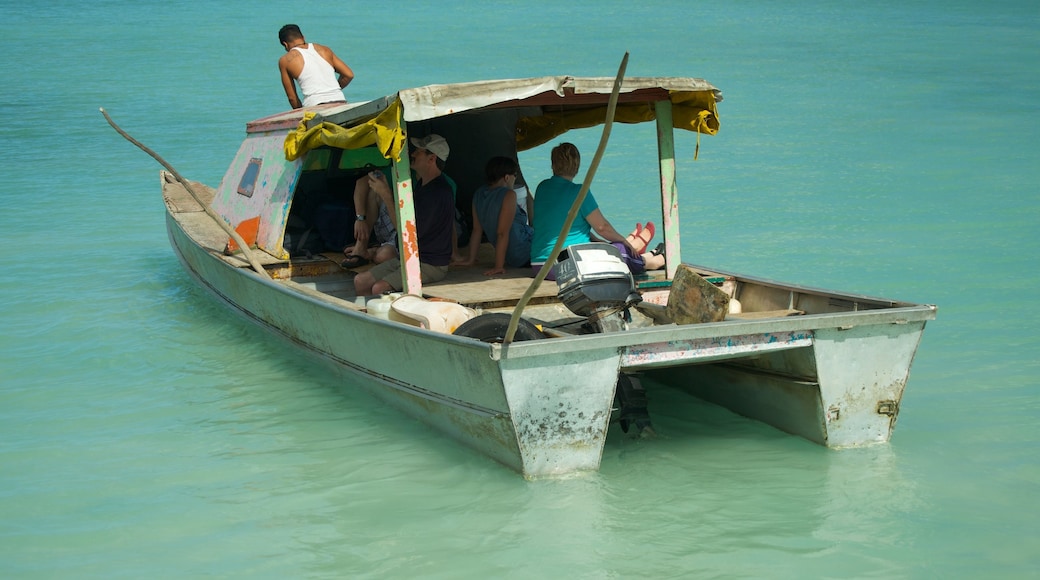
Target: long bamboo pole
[(514, 320), (209, 211)]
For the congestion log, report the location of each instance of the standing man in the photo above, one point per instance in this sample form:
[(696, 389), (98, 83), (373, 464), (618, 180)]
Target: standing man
[(434, 205), (314, 66)]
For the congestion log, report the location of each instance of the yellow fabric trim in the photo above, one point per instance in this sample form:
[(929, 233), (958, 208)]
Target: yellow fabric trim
[(695, 112), (384, 131), (692, 111), (534, 131)]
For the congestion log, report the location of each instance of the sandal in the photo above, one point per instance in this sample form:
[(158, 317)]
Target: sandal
[(645, 240), (658, 250), (353, 261)]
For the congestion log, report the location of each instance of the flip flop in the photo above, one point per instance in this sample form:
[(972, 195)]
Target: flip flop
[(353, 261)]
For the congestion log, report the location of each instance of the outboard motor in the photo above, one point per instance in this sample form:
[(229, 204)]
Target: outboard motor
[(630, 399), (595, 282)]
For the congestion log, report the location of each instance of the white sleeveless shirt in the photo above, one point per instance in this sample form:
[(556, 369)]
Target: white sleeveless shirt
[(317, 79)]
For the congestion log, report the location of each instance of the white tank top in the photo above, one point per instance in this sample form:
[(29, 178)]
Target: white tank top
[(317, 79)]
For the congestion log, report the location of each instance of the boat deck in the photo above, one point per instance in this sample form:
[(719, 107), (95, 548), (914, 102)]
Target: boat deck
[(465, 285)]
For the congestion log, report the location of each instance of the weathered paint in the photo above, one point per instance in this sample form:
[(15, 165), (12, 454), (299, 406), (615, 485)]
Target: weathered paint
[(271, 195), (543, 410), (842, 392), (560, 406), (861, 368), (408, 240), (713, 348), (669, 190), (247, 230)]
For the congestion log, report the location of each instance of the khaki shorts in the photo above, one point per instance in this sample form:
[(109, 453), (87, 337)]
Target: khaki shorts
[(390, 272)]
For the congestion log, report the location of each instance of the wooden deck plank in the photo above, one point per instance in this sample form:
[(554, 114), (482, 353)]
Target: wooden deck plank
[(469, 286), (177, 197)]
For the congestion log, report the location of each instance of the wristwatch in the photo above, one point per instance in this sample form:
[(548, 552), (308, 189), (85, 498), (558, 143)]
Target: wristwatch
[(360, 217)]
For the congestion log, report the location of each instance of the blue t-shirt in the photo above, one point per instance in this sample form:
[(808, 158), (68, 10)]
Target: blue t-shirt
[(552, 201), (488, 206)]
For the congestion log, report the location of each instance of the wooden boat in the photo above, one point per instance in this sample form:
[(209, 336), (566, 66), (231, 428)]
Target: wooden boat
[(828, 366)]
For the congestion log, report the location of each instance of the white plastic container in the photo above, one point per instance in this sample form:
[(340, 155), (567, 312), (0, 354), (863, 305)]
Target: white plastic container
[(734, 306), (379, 307)]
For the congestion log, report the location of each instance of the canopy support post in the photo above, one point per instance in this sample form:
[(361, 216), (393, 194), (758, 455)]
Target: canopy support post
[(407, 236), (669, 191)]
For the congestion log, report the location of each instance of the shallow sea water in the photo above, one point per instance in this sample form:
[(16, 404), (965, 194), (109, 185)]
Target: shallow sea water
[(888, 149)]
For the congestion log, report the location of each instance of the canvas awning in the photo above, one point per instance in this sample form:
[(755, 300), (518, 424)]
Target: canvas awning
[(563, 102)]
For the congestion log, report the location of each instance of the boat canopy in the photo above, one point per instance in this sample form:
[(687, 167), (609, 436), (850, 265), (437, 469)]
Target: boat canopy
[(545, 108), (479, 119)]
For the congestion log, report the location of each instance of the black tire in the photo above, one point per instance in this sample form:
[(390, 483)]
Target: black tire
[(492, 327)]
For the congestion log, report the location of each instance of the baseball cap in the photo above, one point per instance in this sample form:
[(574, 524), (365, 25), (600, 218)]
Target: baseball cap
[(433, 143)]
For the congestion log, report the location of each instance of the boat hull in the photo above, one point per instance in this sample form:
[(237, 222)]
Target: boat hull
[(844, 390), (543, 407), (542, 418), (825, 365)]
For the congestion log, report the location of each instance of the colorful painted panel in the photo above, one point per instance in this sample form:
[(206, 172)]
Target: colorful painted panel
[(258, 186)]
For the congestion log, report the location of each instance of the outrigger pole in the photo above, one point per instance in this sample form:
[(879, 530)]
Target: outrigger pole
[(209, 211)]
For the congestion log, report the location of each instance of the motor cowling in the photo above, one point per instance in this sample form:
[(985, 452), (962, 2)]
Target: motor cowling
[(593, 278)]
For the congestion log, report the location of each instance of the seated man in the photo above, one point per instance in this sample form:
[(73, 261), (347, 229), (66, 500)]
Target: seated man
[(373, 224), (434, 218), (375, 234)]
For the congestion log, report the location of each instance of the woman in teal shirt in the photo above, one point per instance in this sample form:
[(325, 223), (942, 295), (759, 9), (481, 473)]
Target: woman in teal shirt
[(552, 201)]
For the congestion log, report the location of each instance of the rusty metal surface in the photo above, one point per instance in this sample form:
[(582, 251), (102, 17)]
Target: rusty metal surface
[(561, 409)]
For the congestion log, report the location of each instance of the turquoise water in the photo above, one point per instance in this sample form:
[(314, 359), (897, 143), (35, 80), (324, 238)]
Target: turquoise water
[(886, 148)]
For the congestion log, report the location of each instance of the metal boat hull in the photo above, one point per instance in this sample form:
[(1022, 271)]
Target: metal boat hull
[(828, 366), (543, 407)]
